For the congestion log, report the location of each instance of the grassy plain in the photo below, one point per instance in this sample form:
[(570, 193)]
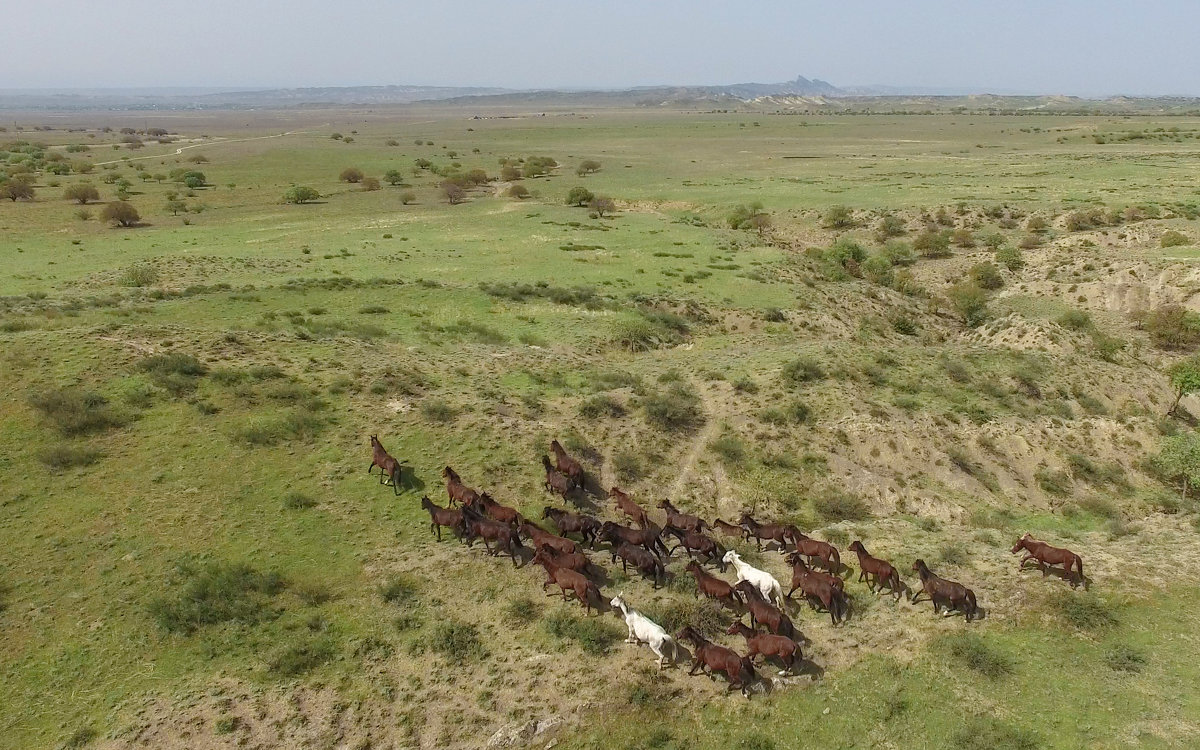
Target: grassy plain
[(472, 334)]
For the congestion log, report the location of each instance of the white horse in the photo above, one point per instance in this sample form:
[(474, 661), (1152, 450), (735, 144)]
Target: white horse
[(644, 630), (760, 579)]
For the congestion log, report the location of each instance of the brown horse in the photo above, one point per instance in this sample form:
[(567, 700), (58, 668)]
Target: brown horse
[(796, 560), (772, 532), (458, 492), (574, 523), (712, 587), (556, 482), (568, 580), (567, 465), (768, 645), (695, 542), (1045, 555), (505, 536), (763, 612), (439, 517), (629, 507), (646, 562), (945, 593), (816, 549), (539, 537), (502, 513), (389, 468), (681, 520), (729, 529), (739, 670), (576, 561), (882, 570), (817, 588), (647, 538)]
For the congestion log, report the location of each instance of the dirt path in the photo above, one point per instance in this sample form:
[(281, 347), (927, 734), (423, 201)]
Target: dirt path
[(214, 142), (687, 465)]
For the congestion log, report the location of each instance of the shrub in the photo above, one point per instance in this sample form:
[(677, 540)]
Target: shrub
[(1036, 224), (963, 237), (878, 270), (143, 274), (899, 253), (677, 409), (298, 501), (1171, 326), (523, 610), (986, 276), (299, 194), (587, 166), (594, 636), (83, 192), (673, 614), (903, 324), (932, 243), (645, 332), (954, 554), (398, 590), (739, 217), (977, 654), (274, 429), (729, 448), (1076, 320), (601, 205), (120, 214), (970, 302), (517, 191), (1030, 241), (214, 593), (370, 184), (351, 175), (69, 456), (889, 226), (746, 384), (838, 217), (835, 505), (1084, 611), (437, 410), (80, 738), (1052, 481), (1171, 238), (457, 641), (1125, 658), (75, 412), (296, 659), (601, 405), (453, 193), (176, 372), (800, 371), (628, 465), (989, 733)]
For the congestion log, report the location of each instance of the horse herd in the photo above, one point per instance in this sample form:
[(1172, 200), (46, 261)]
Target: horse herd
[(645, 548)]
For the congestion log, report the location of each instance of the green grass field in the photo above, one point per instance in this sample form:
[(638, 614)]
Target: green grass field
[(192, 555)]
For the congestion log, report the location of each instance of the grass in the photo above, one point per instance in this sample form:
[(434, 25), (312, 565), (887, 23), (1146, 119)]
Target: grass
[(593, 635), (458, 642), (212, 593), (976, 653), (70, 456), (73, 412), (296, 659)]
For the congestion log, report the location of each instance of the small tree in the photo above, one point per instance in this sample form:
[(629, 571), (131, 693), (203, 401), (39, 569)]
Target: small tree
[(370, 183), (509, 173), (351, 174), (408, 197), (120, 214), (587, 166), (16, 190), (601, 205), (193, 179), (175, 206), (1179, 460), (963, 237), (517, 191), (839, 217), (932, 244), (453, 193), (760, 223), (82, 193), (889, 226), (393, 177), (579, 196), (969, 301), (986, 276), (300, 194), (1185, 379)]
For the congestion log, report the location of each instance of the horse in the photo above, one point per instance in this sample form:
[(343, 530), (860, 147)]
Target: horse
[(775, 532), (768, 645), (567, 465), (1046, 555), (556, 482), (574, 523), (496, 511), (881, 569), (648, 538), (389, 468), (739, 670), (683, 521), (629, 507), (795, 559), (762, 580), (764, 613), (816, 587), (646, 562), (694, 541), (644, 630), (568, 580), (811, 548), (711, 586), (505, 536), (945, 593), (458, 492), (730, 529), (439, 517), (542, 538), (576, 561)]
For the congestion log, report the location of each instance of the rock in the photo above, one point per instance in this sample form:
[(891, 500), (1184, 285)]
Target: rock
[(512, 734)]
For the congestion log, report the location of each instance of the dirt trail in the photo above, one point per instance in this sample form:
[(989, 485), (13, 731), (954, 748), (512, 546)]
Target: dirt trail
[(213, 142), (687, 465)]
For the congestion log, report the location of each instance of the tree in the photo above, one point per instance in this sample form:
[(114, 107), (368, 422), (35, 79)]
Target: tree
[(351, 174), (1172, 326), (969, 301), (453, 193), (1185, 379), (963, 237), (1179, 460), (587, 166), (839, 217), (517, 191), (601, 205), (300, 194), (82, 193), (393, 177), (370, 183), (932, 244), (986, 276), (175, 206), (120, 214), (16, 189), (579, 196), (509, 173), (760, 223), (740, 217)]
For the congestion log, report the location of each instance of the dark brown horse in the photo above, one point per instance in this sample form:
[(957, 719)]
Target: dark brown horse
[(568, 580), (681, 520), (439, 517), (1045, 555), (458, 492), (647, 538), (729, 529), (539, 537), (817, 589), (574, 523), (696, 544), (648, 563), (494, 510), (504, 536), (816, 549), (576, 561), (389, 468), (712, 587), (882, 570), (629, 507), (945, 593), (739, 670), (768, 645), (556, 482), (567, 465), (763, 612), (796, 560), (772, 532)]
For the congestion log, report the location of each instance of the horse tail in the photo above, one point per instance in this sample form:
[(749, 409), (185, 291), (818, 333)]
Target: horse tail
[(1079, 566), (972, 606), (837, 560)]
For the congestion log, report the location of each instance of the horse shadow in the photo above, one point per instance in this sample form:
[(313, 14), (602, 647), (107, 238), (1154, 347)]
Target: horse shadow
[(1072, 577), (583, 499), (409, 481)]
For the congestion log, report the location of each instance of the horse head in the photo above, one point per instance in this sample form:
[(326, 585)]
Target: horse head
[(857, 546), (1021, 543), (921, 568), (731, 557)]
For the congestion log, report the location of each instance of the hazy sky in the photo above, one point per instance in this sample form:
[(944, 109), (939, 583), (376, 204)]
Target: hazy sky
[(1044, 46)]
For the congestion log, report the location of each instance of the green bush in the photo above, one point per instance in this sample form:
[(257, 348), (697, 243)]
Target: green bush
[(601, 405), (628, 465), (436, 410), (213, 593), (273, 429), (746, 384), (1171, 238), (932, 243), (1125, 658), (800, 371), (977, 654), (1011, 258), (1172, 326), (80, 738), (523, 610), (674, 410), (296, 659), (1077, 320), (986, 276), (878, 270), (730, 448), (989, 733), (75, 412), (903, 324), (177, 373), (298, 501), (839, 217), (835, 505), (702, 614), (970, 302), (594, 636), (69, 456), (1085, 611), (143, 274), (399, 590)]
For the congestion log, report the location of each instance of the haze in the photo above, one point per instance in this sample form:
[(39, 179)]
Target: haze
[(1080, 47)]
